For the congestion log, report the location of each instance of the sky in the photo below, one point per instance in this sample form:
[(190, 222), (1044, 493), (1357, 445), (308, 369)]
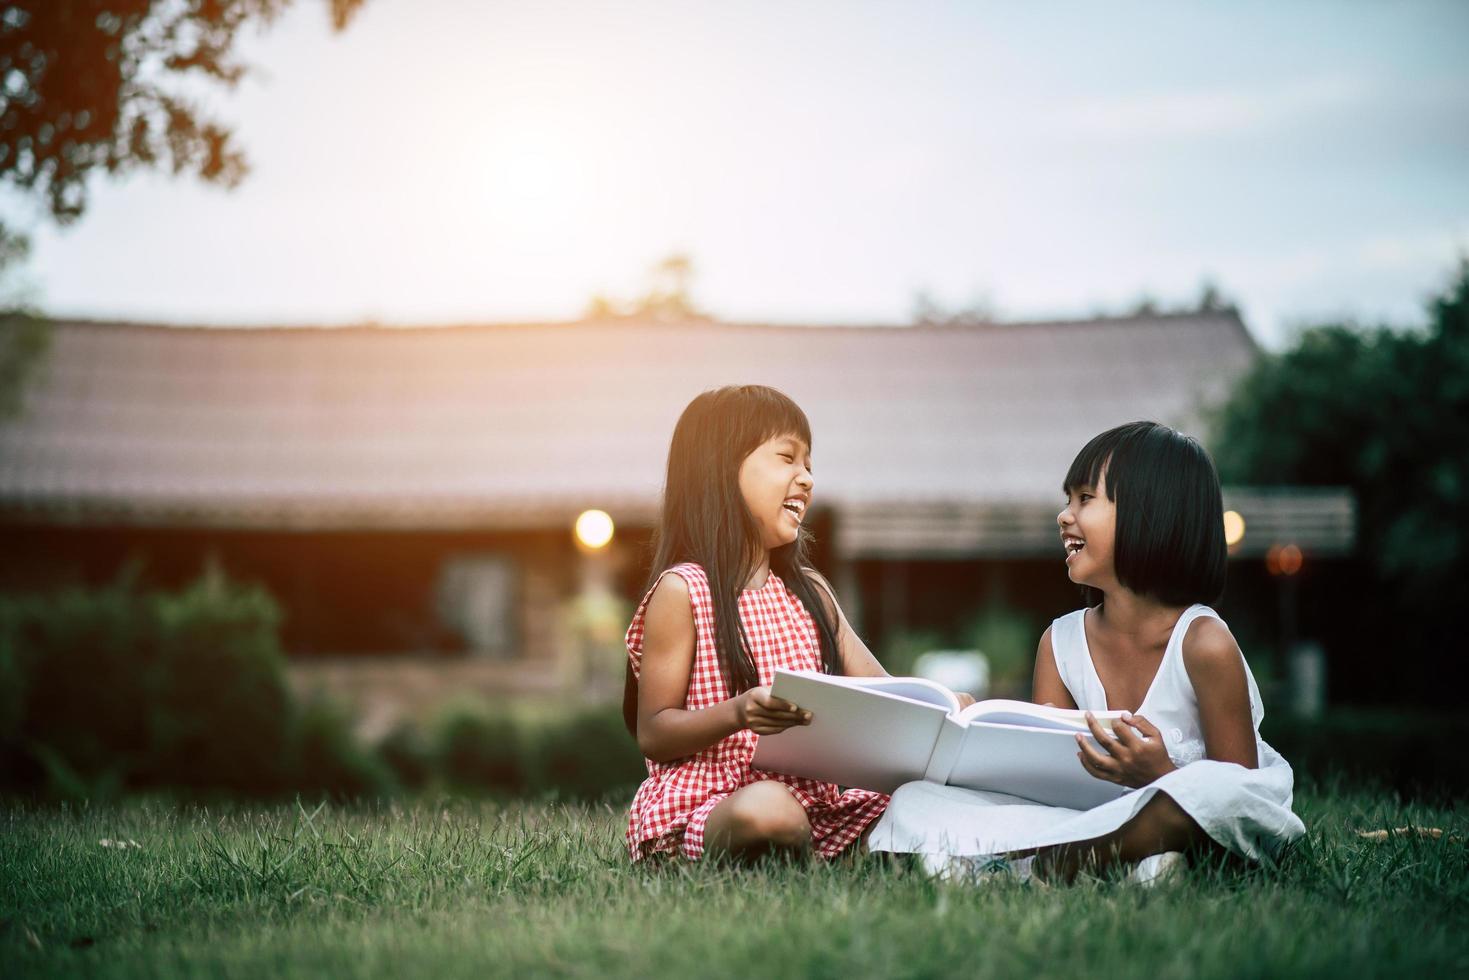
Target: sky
[(452, 161)]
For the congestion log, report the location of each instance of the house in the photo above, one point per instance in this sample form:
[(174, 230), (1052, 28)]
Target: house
[(414, 489)]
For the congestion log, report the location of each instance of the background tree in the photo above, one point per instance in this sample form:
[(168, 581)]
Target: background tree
[(668, 296), (1385, 412), (95, 87), (927, 311), (24, 337)]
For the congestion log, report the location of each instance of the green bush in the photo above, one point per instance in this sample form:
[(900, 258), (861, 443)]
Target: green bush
[(905, 647), (221, 711), (84, 665), (1007, 638), (582, 755), (1004, 635), (1413, 752), (118, 688), (480, 749), (408, 756), (587, 757), (326, 759)]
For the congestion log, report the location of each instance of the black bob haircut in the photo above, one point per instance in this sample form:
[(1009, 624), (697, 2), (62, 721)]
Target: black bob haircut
[(1170, 513)]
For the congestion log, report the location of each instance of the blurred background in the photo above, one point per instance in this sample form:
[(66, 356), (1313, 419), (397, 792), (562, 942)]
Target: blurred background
[(342, 343)]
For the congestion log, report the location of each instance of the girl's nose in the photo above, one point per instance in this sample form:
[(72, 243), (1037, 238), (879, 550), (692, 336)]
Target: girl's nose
[(1063, 518), (806, 481)]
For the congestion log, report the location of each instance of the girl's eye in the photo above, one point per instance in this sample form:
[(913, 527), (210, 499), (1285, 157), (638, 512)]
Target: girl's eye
[(788, 457)]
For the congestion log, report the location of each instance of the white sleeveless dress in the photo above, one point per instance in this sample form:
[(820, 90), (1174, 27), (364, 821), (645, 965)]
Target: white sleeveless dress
[(1247, 811)]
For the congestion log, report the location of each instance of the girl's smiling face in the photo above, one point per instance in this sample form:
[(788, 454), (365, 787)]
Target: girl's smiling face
[(776, 482), (1088, 528)]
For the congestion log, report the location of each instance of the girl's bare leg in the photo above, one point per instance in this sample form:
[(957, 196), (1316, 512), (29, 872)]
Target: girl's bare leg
[(756, 820), (1161, 825)]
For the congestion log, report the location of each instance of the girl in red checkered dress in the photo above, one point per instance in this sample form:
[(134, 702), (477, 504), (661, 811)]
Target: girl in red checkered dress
[(731, 599)]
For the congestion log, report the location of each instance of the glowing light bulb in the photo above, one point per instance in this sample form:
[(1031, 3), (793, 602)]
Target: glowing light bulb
[(1234, 528), (1291, 560), (594, 528)]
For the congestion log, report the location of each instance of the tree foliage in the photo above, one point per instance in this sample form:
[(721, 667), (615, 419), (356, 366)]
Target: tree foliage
[(1385, 412), (93, 87), (90, 86), (668, 296)]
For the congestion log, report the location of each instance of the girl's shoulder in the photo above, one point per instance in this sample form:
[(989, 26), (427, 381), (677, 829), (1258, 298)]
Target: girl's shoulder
[(691, 572), (1065, 638), (1067, 634), (1207, 642), (1213, 664), (674, 603), (686, 579), (1069, 621)]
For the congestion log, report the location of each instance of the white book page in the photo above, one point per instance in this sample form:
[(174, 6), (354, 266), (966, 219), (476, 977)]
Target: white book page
[(1024, 713), (858, 736), (919, 689), (946, 749), (1038, 764)]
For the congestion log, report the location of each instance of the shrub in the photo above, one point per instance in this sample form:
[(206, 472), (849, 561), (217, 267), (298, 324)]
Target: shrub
[(326, 759), (905, 647), (1413, 752), (408, 755), (119, 688), (221, 713), (1007, 638), (481, 749), (587, 756), (85, 669), (583, 755)]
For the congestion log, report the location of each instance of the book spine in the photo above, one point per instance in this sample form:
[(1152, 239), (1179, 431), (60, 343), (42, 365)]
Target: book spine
[(945, 754)]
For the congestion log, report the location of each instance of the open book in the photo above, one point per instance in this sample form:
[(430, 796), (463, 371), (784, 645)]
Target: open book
[(880, 732)]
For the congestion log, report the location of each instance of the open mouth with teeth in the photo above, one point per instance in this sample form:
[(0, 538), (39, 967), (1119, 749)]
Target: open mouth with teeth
[(1072, 545), (796, 507)]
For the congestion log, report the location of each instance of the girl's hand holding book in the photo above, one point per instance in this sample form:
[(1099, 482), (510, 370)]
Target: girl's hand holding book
[(1132, 754), (764, 714)]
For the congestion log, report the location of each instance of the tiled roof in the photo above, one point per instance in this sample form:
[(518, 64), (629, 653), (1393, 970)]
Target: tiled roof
[(475, 426)]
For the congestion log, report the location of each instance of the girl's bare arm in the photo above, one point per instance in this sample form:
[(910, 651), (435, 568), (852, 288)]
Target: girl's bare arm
[(666, 729), (1217, 669), (857, 660), (1046, 686)]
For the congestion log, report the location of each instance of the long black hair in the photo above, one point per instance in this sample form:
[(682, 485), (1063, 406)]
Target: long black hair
[(705, 521), (1169, 542)]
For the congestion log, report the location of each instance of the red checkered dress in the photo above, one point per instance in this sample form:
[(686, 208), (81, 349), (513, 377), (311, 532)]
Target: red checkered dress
[(670, 808)]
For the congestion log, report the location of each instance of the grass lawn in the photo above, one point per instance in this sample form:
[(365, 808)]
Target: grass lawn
[(470, 889)]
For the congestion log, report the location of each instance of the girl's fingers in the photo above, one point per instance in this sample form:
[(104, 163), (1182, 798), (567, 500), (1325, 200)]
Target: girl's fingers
[(1146, 727), (777, 721), (1091, 767), (1105, 741), (1096, 728), (794, 717), (769, 702), (1096, 759), (1122, 728)]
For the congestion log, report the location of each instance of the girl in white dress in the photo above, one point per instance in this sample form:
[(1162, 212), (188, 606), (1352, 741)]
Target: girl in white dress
[(1143, 532)]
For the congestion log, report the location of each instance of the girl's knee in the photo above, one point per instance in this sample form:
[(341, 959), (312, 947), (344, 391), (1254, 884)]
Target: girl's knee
[(1171, 823), (1164, 809), (768, 812), (783, 830)]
